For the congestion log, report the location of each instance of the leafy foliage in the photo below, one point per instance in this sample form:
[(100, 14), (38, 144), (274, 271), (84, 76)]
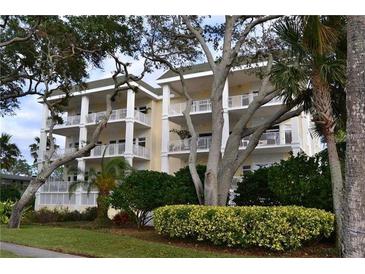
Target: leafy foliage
[(122, 218), (5, 211), (183, 177), (307, 182), (8, 151), (145, 190), (9, 193), (45, 215), (254, 189), (65, 45), (276, 228)]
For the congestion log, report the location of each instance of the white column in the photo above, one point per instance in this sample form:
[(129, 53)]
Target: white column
[(43, 137), (165, 129), (83, 114), (81, 166), (129, 126), (295, 135), (225, 131)]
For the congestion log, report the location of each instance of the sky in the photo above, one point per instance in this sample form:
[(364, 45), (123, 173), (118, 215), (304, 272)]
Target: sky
[(25, 125)]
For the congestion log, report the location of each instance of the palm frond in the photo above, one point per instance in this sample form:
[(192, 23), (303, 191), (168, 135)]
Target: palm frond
[(289, 30), (117, 168)]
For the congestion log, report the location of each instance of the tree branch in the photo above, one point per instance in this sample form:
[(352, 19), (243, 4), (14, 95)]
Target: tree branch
[(202, 42)]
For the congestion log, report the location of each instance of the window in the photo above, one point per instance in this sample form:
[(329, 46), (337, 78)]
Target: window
[(141, 141), (142, 109), (205, 134), (246, 168)]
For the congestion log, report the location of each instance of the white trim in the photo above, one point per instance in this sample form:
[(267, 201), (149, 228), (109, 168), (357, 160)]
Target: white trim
[(93, 90), (207, 73)]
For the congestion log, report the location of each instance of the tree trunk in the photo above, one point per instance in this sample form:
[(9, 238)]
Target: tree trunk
[(102, 218), (337, 182), (16, 214), (214, 157), (324, 118), (353, 233)]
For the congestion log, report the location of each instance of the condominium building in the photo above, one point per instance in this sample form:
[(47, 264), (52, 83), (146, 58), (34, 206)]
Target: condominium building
[(140, 129)]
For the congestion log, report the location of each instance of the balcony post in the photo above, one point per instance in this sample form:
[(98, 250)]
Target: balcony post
[(83, 116), (81, 166), (43, 137), (225, 130), (165, 129), (129, 123)]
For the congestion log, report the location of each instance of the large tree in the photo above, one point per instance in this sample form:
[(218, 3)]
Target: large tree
[(354, 192), (44, 54), (183, 40), (316, 55)]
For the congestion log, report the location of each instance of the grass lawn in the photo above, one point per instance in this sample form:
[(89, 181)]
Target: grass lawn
[(8, 254), (95, 243), (79, 238)]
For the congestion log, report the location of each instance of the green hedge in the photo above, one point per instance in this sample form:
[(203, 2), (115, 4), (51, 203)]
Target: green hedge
[(276, 228)]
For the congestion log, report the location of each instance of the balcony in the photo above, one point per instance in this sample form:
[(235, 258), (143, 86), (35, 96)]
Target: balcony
[(67, 121), (113, 150), (268, 139), (184, 145), (199, 106), (244, 100), (205, 106), (117, 115), (110, 150)]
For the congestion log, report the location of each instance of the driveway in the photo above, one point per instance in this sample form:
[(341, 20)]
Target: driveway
[(26, 251)]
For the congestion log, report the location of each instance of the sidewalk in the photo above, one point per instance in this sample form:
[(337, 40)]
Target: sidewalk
[(26, 251)]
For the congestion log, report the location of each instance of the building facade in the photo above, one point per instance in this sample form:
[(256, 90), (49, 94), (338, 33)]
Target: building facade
[(141, 126)]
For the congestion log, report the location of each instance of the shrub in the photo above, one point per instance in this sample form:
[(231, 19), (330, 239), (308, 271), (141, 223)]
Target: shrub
[(307, 182), (276, 228), (45, 215), (299, 180), (188, 192), (9, 192), (254, 189), (5, 211), (122, 218), (144, 190)]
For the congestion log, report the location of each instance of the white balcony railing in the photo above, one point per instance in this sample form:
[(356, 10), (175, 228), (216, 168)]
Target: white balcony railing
[(118, 150), (67, 121), (267, 139), (96, 117), (241, 101), (270, 139), (141, 117), (110, 150), (197, 107), (141, 151), (184, 145), (117, 114)]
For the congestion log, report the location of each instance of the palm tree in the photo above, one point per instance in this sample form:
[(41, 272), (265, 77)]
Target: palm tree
[(8, 151), (354, 194), (113, 172), (34, 148), (316, 57)]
